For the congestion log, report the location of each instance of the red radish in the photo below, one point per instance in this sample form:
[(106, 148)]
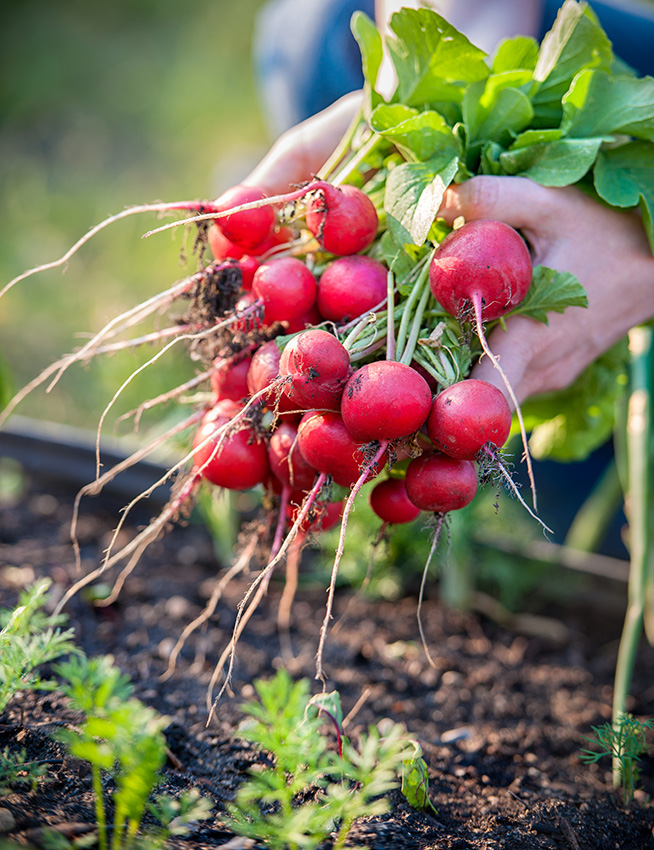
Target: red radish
[(342, 218), (431, 380), (286, 460), (390, 502), (485, 265), (229, 381), (318, 367), (248, 266), (351, 286), (467, 416), (247, 318), (237, 461), (248, 228), (221, 247), (264, 366), (325, 515), (438, 483), (484, 262), (286, 287), (385, 400), (306, 320), (264, 369), (328, 446)]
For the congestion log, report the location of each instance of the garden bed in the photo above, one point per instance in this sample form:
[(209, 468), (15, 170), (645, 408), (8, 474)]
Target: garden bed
[(501, 717)]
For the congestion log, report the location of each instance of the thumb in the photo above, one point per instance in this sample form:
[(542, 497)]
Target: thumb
[(516, 201)]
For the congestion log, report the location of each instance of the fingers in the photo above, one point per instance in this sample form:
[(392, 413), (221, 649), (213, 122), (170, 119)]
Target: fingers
[(517, 201), (301, 151)]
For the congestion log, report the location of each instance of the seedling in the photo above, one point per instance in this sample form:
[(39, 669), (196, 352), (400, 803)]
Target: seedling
[(625, 743), (15, 770), (308, 790), (30, 638), (125, 738)]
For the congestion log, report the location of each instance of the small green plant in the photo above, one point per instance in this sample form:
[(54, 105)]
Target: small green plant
[(308, 790), (29, 638), (625, 742), (124, 738), (16, 770)]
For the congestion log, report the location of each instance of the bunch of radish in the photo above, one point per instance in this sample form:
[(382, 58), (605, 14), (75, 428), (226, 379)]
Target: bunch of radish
[(336, 327)]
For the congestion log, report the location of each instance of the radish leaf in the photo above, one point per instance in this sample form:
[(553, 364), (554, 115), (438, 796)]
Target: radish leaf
[(551, 291), (576, 41), (624, 177), (433, 60), (414, 192), (418, 135), (514, 53), (557, 163), (372, 51), (600, 105)]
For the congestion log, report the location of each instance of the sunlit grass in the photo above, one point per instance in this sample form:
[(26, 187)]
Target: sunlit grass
[(110, 106)]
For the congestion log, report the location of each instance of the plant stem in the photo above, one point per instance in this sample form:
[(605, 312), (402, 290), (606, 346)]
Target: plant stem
[(639, 500), (99, 807), (414, 296), (366, 148), (342, 148), (416, 324), (390, 324)]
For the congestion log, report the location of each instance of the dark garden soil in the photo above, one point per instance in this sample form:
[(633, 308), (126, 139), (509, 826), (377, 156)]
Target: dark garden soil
[(501, 716)]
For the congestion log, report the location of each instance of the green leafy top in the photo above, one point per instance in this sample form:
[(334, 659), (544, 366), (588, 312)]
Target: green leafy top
[(563, 112), (553, 112)]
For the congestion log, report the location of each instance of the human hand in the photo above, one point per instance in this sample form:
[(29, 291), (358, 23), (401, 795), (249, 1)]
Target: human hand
[(301, 151), (566, 230)]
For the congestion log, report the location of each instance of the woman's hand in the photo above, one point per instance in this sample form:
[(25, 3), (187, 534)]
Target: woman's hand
[(301, 151), (566, 230)]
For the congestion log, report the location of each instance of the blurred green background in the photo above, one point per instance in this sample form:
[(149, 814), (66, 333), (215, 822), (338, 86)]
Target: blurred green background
[(103, 106)]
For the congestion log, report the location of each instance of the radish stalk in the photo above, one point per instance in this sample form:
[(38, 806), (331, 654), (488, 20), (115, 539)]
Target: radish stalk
[(367, 468), (440, 519), (290, 537), (477, 307)]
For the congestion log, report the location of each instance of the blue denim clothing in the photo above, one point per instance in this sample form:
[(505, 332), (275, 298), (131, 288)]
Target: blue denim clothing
[(306, 57)]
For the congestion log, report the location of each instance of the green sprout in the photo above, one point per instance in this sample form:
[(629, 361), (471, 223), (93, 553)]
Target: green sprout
[(625, 742), (307, 790)]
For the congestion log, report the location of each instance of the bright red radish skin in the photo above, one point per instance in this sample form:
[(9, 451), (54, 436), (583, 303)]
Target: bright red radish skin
[(484, 259), (307, 320), (237, 462), (351, 286), (286, 460), (385, 400), (286, 287), (325, 516), (467, 416), (389, 500), (317, 366), (230, 380), (327, 445), (342, 218), (223, 249), (264, 369), (249, 228), (438, 483)]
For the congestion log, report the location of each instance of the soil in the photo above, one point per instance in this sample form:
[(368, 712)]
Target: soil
[(500, 716)]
